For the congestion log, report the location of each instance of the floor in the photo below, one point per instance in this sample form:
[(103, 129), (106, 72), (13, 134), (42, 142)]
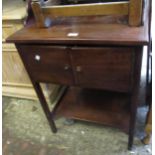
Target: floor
[(26, 132)]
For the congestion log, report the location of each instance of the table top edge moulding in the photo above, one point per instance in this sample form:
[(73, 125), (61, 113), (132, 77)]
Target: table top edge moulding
[(98, 30), (103, 34)]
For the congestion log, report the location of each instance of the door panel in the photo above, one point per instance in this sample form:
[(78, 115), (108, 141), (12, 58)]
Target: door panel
[(107, 68), (48, 63)]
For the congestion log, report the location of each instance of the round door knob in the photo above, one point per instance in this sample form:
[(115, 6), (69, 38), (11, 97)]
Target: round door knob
[(78, 68), (66, 67), (37, 57)]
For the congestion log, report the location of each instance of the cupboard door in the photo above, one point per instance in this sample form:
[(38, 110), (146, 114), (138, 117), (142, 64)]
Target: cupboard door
[(48, 63), (106, 68)]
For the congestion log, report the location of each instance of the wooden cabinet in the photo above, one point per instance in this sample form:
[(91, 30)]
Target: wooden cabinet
[(103, 81), (91, 67), (100, 62)]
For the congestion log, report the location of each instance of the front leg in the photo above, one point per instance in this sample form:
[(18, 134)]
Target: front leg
[(45, 106)]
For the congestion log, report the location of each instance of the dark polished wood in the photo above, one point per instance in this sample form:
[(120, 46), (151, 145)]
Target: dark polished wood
[(45, 106), (40, 95), (91, 31), (48, 63), (134, 94), (107, 68), (97, 106), (90, 54)]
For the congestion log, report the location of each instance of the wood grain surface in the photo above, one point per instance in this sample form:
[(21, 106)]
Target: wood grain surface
[(96, 106), (91, 30), (86, 9)]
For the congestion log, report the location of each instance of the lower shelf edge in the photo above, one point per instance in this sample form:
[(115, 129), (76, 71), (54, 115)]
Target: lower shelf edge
[(96, 106)]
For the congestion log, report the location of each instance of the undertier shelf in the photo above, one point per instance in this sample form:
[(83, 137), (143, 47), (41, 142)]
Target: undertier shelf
[(98, 106)]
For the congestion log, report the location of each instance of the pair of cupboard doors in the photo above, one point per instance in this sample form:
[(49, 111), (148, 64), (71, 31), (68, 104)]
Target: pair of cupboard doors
[(109, 68)]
